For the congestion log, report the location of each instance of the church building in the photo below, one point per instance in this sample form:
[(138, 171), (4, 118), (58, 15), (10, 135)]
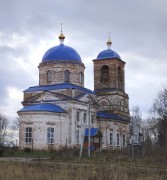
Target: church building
[(60, 111)]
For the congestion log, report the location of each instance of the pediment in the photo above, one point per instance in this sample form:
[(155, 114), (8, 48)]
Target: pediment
[(45, 96)]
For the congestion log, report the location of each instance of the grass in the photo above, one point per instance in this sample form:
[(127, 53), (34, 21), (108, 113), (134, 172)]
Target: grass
[(55, 171), (66, 164)]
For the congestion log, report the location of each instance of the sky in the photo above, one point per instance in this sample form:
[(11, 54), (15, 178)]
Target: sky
[(138, 30)]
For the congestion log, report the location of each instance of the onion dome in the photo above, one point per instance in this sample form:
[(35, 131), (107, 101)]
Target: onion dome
[(108, 53), (62, 53)]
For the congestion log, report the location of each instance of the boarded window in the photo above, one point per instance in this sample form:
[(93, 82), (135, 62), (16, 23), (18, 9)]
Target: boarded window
[(120, 78), (84, 117), (103, 103), (66, 76), (77, 136), (78, 116), (49, 76), (81, 78), (92, 118), (104, 74)]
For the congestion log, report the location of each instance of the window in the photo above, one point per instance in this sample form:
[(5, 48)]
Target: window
[(84, 119), (77, 136), (111, 138), (117, 139), (78, 114), (92, 118), (124, 140), (28, 135), (104, 74), (103, 102), (81, 78), (50, 135), (66, 76), (119, 77), (49, 76)]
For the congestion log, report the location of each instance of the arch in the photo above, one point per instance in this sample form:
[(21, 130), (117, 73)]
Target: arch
[(66, 76), (49, 76), (81, 78), (123, 103), (104, 74), (104, 102)]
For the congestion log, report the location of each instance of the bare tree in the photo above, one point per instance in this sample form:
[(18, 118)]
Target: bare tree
[(4, 122), (160, 116)]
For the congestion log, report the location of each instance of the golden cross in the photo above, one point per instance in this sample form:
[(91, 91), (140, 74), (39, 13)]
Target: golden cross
[(61, 27), (109, 35)]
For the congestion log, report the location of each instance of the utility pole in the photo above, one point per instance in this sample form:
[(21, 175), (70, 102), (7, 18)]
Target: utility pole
[(89, 126)]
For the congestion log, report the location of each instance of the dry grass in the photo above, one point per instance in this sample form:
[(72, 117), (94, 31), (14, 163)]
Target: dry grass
[(61, 170), (65, 164)]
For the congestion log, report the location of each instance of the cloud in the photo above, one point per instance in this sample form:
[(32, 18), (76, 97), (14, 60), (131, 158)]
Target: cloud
[(138, 31)]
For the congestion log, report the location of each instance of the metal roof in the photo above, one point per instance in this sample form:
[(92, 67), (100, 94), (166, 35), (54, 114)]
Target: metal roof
[(93, 131), (62, 52), (43, 107), (108, 53), (57, 87), (103, 114)]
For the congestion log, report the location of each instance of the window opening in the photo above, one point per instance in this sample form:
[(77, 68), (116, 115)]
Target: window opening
[(50, 135)]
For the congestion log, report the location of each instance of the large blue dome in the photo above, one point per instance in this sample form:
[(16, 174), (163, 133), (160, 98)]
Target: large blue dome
[(106, 54), (62, 52)]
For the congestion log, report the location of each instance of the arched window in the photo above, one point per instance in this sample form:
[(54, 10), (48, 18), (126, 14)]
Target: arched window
[(81, 78), (119, 77), (49, 76), (123, 103), (103, 102), (104, 74), (66, 76), (119, 74)]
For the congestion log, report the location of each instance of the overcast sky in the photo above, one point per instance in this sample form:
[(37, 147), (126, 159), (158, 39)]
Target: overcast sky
[(138, 31)]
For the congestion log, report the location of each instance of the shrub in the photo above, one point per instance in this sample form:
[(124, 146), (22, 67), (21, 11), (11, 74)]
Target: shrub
[(1, 151), (27, 150)]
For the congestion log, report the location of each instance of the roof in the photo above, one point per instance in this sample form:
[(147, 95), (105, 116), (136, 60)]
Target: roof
[(62, 52), (103, 114), (57, 87), (107, 54), (93, 131), (43, 107)]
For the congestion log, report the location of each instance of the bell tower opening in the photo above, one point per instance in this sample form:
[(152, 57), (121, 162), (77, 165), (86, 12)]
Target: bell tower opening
[(120, 78), (105, 74)]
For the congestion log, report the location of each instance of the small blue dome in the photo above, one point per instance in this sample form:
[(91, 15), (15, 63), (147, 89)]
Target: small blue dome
[(61, 52), (106, 54)]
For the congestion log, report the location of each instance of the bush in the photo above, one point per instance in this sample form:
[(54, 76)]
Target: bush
[(1, 151), (27, 150)]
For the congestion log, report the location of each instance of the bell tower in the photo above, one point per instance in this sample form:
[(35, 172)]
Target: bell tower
[(109, 82)]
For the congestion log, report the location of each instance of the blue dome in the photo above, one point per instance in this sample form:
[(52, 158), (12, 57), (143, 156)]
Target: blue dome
[(61, 52), (106, 54)]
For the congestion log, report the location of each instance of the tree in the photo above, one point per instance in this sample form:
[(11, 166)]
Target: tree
[(160, 115), (4, 121)]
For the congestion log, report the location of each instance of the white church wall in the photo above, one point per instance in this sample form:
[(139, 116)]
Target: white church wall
[(115, 128), (39, 122)]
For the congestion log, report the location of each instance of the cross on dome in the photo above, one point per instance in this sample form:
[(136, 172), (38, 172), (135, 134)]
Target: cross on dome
[(109, 42), (61, 36)]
